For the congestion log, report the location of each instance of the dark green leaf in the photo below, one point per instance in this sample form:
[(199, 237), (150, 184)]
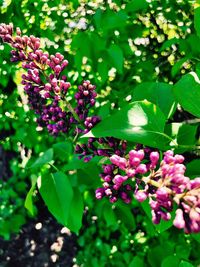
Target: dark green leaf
[(136, 262), (125, 215), (193, 169), (63, 150), (109, 215), (186, 134)]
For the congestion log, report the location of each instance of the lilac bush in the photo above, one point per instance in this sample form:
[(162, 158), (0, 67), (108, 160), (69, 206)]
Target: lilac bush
[(141, 172)]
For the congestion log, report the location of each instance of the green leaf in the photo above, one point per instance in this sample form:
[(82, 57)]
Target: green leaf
[(185, 264), (88, 175), (44, 159), (116, 57), (136, 262), (160, 94), (136, 5), (102, 69), (109, 215), (76, 212), (63, 150), (187, 93), (193, 169), (196, 237), (57, 193), (125, 215), (141, 122), (178, 65), (186, 134), (157, 254), (197, 20), (29, 198), (167, 262)]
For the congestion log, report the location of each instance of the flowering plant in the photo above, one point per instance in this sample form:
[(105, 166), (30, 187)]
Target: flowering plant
[(130, 141)]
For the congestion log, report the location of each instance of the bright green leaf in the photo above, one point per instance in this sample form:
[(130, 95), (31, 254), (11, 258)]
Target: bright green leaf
[(44, 159), (29, 197), (185, 264), (57, 193), (140, 122), (116, 57), (160, 94), (197, 20), (136, 5), (76, 212), (167, 262), (187, 93)]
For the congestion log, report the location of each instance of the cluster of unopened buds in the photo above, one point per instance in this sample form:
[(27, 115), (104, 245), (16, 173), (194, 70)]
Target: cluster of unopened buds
[(163, 183), (46, 87)]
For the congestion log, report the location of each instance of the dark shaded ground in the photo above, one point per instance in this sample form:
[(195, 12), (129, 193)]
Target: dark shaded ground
[(42, 243)]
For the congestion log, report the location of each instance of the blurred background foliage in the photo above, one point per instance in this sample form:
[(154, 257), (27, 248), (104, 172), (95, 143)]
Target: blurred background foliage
[(117, 45)]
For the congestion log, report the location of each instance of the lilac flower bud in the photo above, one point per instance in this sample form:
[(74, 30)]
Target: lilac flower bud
[(141, 196), (142, 169), (113, 199), (154, 157), (118, 179), (134, 162), (179, 159), (179, 219), (108, 192), (130, 173)]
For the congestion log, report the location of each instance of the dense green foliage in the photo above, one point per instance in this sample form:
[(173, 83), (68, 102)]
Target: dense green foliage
[(144, 58)]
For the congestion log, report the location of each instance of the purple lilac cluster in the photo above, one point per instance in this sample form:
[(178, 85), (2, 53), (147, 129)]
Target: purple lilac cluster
[(43, 82), (85, 98), (46, 87), (164, 183)]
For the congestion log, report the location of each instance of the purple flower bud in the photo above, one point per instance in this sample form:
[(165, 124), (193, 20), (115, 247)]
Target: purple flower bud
[(118, 179), (141, 196), (130, 173), (108, 192), (154, 157), (113, 199), (141, 169), (134, 162), (179, 219)]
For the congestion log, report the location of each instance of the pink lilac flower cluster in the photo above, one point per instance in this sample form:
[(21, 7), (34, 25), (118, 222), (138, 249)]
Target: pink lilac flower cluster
[(46, 87), (164, 183)]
